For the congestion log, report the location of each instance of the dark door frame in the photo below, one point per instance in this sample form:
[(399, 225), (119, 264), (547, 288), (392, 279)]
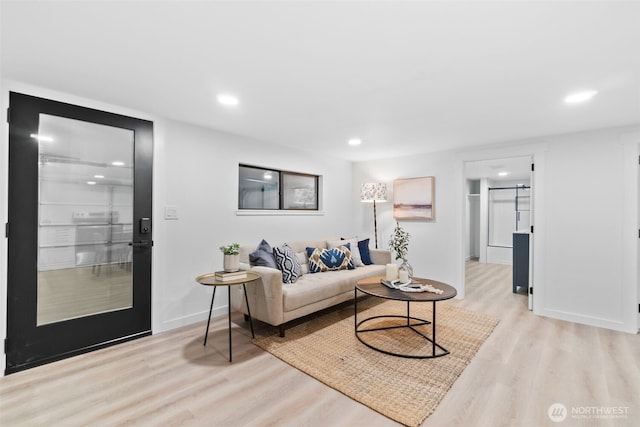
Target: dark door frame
[(28, 345)]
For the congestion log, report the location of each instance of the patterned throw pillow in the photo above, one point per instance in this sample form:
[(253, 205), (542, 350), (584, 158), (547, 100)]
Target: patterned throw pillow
[(321, 260), (353, 247), (287, 262)]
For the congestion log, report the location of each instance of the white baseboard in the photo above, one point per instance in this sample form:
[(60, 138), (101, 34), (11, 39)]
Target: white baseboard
[(200, 316), (499, 255), (616, 325)]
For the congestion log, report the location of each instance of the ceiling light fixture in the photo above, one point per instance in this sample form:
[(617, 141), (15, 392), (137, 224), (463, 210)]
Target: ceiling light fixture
[(355, 141), (580, 96), (226, 99), (117, 163), (98, 176), (503, 173), (91, 182)]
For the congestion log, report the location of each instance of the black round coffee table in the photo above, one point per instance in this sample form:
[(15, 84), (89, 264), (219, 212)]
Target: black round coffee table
[(372, 286)]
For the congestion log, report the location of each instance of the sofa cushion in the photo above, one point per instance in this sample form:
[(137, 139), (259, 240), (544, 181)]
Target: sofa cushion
[(311, 288), (287, 262), (263, 256), (321, 259)]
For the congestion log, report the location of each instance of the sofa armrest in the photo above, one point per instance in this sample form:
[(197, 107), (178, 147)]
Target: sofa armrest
[(380, 256), (271, 280), (265, 296)]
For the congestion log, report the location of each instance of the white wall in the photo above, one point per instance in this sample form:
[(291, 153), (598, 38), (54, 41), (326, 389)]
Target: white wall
[(199, 175), (473, 226), (584, 235), (433, 244), (579, 191), (472, 222)]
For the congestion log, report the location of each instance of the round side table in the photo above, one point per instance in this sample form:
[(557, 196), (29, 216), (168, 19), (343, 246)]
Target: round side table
[(210, 280)]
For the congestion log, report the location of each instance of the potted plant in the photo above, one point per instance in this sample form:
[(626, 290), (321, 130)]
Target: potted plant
[(399, 244), (231, 257)]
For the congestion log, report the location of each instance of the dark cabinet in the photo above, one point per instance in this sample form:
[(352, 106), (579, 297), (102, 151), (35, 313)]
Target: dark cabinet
[(520, 260)]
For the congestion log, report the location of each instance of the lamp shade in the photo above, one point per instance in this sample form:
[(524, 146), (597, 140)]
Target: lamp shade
[(373, 191)]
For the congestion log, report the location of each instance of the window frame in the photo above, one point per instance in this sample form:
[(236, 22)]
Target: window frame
[(284, 200), (285, 204)]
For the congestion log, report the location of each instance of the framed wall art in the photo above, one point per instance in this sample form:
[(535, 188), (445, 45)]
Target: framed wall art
[(414, 198)]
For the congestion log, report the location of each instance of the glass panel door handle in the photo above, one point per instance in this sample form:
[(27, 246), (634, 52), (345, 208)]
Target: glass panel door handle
[(141, 243)]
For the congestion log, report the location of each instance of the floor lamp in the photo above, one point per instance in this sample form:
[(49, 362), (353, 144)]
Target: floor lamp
[(373, 192)]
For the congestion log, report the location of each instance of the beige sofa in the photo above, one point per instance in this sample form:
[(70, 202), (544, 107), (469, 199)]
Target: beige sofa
[(276, 303)]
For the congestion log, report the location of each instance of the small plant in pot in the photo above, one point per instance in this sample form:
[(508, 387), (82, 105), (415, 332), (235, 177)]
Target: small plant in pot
[(231, 257), (399, 244)]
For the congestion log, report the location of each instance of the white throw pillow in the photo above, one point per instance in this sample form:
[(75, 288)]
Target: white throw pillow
[(304, 261)]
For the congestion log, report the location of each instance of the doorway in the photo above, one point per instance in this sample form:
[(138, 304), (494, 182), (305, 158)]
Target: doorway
[(79, 248), (498, 206)]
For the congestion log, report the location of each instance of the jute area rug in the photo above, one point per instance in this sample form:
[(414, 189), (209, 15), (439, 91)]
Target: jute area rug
[(405, 390)]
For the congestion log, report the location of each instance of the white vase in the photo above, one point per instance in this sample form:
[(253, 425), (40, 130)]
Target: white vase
[(231, 263), (405, 271)]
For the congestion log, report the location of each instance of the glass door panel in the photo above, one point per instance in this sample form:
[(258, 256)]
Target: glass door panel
[(85, 217)]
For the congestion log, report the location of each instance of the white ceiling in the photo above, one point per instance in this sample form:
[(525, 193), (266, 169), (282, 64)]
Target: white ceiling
[(406, 77)]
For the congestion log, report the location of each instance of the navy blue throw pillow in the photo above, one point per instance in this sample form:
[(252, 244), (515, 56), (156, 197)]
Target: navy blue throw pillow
[(363, 246)]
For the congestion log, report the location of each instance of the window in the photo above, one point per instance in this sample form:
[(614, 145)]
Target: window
[(258, 188), (299, 191), (271, 189)]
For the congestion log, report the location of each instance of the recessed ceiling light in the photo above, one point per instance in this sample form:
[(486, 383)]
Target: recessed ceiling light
[(503, 173), (355, 141), (226, 99), (117, 163), (91, 182), (580, 96), (98, 176)]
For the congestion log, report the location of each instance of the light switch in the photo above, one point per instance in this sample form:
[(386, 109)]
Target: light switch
[(170, 212)]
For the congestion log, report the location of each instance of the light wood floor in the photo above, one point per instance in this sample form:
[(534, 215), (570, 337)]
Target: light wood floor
[(527, 364)]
